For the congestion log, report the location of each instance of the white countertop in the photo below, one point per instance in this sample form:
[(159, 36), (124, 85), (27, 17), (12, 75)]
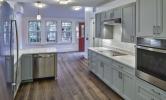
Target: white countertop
[(35, 51), (128, 60)]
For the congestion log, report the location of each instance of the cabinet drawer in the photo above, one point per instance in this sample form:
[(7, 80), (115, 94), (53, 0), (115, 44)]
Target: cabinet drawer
[(129, 70), (117, 65)]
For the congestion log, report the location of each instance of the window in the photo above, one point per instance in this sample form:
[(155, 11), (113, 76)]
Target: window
[(66, 35), (34, 31), (51, 31)]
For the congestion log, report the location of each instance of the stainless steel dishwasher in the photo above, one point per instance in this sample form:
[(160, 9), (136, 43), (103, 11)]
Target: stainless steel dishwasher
[(44, 65)]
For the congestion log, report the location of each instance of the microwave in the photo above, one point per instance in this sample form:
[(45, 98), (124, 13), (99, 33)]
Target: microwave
[(151, 60)]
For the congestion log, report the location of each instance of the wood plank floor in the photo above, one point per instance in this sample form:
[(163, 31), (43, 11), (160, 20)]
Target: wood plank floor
[(74, 82)]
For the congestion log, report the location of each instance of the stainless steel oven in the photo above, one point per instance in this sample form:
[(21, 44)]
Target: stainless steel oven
[(151, 60)]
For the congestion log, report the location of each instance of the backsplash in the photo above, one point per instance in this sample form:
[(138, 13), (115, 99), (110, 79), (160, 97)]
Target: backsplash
[(116, 41)]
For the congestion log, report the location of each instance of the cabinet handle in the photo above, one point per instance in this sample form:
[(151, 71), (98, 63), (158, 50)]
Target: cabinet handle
[(158, 29), (154, 29), (120, 75), (156, 92)]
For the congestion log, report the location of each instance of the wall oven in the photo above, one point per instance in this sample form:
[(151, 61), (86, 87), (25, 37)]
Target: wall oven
[(151, 60)]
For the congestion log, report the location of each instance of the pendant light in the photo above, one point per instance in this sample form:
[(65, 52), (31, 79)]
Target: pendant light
[(38, 15)]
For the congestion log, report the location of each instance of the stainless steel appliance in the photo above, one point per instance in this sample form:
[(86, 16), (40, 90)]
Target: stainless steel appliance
[(44, 65), (112, 22), (8, 52), (151, 60)]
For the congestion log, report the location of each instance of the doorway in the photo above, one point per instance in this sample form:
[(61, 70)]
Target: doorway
[(81, 37)]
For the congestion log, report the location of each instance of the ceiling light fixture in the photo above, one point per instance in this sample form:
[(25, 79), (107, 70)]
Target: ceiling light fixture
[(76, 8), (39, 4), (1, 0), (38, 17), (63, 2)]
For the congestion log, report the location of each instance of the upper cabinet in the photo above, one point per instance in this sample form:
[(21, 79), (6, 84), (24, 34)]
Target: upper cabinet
[(129, 23), (98, 25), (150, 19)]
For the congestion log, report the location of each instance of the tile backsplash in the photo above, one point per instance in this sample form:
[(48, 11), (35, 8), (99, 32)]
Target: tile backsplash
[(116, 41)]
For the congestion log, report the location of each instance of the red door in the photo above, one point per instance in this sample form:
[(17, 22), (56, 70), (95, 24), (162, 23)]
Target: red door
[(81, 37)]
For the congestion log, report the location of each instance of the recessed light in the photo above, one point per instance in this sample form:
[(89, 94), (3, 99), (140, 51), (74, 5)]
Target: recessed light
[(1, 0), (63, 2), (76, 8), (39, 4)]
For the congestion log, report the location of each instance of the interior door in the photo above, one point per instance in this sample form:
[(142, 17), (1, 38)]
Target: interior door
[(81, 37)]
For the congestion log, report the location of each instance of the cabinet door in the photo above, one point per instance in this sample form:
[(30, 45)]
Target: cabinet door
[(147, 17), (128, 24), (101, 70), (129, 87), (164, 17), (109, 15), (118, 81), (117, 13), (143, 94), (26, 67), (108, 75), (98, 25), (103, 16)]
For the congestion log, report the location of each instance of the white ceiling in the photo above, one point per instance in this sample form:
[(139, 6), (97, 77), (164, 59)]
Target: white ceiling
[(91, 3)]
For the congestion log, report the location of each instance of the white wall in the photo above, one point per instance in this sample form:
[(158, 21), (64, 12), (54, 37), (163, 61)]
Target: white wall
[(61, 47), (116, 41)]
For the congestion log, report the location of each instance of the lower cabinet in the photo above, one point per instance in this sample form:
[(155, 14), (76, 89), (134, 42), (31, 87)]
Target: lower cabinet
[(118, 81), (121, 78), (101, 70), (129, 87), (26, 67), (146, 91), (108, 77)]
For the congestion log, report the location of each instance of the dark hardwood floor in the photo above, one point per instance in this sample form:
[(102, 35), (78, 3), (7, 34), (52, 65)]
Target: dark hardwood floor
[(74, 82)]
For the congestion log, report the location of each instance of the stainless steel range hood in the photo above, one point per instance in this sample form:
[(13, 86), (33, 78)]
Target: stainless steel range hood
[(116, 21)]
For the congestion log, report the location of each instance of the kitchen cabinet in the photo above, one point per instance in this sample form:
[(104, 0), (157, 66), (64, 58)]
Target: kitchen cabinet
[(27, 68), (149, 17), (108, 74), (118, 80), (129, 87), (117, 13), (164, 16), (129, 23), (146, 91), (101, 70), (114, 13), (98, 25), (109, 15), (103, 16)]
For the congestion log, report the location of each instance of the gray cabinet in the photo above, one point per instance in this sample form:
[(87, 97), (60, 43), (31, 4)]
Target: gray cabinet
[(146, 91), (129, 87), (101, 70), (117, 13), (164, 17), (118, 81), (98, 25), (129, 23), (149, 17), (108, 74), (109, 14), (27, 67)]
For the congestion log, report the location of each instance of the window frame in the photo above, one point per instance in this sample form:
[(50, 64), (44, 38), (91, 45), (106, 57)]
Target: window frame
[(35, 32), (71, 36), (46, 31)]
